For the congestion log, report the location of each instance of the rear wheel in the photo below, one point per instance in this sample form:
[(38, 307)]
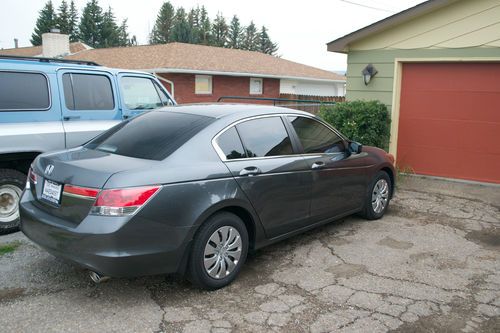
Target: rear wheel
[(12, 183), (219, 250), (378, 197)]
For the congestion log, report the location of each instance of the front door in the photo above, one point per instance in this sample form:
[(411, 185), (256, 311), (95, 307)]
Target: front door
[(338, 178), (267, 169), (89, 104)]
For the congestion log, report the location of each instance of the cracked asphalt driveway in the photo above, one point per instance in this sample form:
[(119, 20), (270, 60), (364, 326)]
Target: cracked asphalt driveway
[(431, 264)]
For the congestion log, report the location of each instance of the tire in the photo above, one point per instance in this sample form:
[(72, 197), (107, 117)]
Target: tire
[(12, 184), (205, 256), (373, 213)]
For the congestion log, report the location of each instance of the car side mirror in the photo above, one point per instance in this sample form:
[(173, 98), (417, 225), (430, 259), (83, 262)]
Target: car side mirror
[(355, 147)]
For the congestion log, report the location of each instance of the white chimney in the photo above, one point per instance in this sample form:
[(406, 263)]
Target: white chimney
[(55, 44)]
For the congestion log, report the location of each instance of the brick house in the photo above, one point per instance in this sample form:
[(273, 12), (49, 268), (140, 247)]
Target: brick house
[(198, 73)]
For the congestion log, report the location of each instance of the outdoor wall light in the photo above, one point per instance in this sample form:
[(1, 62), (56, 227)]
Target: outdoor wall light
[(368, 72)]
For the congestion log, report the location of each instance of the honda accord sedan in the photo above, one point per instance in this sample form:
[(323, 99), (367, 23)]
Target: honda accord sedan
[(192, 189)]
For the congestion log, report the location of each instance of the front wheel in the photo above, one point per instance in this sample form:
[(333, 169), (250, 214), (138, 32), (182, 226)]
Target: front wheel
[(378, 197), (12, 183), (219, 250)]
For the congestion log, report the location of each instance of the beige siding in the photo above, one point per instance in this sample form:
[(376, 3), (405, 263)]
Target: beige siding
[(466, 23)]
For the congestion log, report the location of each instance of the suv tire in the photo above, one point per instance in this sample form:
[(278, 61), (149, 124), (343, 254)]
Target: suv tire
[(12, 183)]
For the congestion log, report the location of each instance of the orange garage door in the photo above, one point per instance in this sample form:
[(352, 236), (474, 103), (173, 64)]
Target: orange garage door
[(449, 121)]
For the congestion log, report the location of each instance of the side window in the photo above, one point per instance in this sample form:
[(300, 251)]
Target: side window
[(88, 92), (265, 137), (256, 86), (230, 144), (23, 91), (139, 93), (316, 137), (164, 97)]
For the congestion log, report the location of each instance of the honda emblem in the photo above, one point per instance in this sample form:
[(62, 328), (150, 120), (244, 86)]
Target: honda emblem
[(49, 169)]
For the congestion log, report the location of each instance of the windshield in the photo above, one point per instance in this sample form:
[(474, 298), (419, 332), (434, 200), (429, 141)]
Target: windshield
[(140, 93), (154, 135)]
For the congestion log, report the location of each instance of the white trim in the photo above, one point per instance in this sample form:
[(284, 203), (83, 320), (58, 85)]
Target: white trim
[(396, 90), (207, 72), (172, 89)]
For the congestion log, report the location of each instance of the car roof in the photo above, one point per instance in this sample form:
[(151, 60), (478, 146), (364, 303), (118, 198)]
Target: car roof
[(51, 65), (230, 110)]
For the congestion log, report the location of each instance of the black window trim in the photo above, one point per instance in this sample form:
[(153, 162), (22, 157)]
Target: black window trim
[(108, 75), (282, 117), (48, 89), (321, 121)]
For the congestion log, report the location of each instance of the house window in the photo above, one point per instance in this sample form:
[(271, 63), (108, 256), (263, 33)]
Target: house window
[(203, 84), (255, 86)]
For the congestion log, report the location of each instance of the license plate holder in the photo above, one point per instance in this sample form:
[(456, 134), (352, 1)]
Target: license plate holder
[(51, 192)]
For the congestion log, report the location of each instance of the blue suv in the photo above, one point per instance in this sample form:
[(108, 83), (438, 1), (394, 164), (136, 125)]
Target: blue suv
[(50, 104)]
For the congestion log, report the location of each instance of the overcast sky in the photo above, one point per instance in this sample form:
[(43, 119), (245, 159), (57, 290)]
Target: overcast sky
[(301, 28)]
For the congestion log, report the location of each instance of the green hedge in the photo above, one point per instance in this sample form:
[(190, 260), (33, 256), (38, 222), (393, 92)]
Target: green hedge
[(367, 122)]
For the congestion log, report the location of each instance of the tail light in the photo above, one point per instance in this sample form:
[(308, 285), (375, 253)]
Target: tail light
[(85, 192), (32, 177), (119, 202)]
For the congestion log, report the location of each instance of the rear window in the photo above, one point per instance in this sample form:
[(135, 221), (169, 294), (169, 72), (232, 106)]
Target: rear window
[(152, 136), (88, 92), (23, 91)]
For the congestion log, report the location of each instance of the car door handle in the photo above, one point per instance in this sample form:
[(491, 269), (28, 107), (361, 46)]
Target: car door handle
[(66, 118), (318, 165), (250, 171)]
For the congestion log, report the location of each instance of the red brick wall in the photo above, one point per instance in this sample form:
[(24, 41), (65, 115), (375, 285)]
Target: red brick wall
[(221, 86)]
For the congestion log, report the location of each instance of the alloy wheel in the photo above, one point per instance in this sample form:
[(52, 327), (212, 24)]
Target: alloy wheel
[(380, 195)]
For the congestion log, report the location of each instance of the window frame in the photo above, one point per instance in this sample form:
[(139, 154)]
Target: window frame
[(295, 148), (261, 86), (322, 122), (48, 90), (104, 74), (210, 84)]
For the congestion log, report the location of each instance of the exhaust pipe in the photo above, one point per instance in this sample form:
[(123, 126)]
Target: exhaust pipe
[(98, 278)]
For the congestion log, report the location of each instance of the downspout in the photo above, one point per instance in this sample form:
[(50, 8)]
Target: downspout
[(161, 78)]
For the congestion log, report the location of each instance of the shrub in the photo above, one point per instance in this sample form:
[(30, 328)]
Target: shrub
[(367, 122)]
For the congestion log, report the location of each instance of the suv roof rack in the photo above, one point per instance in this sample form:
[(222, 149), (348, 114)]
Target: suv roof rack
[(42, 59)]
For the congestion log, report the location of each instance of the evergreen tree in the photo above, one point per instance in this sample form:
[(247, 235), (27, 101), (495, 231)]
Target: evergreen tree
[(266, 45), (205, 37), (181, 31), (194, 24), (162, 30), (110, 33), (219, 31), (250, 40), (73, 23), (63, 19), (91, 24), (235, 33), (47, 20), (123, 36)]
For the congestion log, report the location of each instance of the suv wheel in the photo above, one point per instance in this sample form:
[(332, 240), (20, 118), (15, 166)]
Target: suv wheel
[(12, 183), (378, 197), (219, 250)]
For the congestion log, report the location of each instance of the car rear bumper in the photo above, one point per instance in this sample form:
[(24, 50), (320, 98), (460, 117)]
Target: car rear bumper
[(115, 247)]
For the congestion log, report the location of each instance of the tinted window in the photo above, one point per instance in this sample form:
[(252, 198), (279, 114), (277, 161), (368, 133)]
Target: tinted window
[(88, 92), (139, 93), (23, 91), (316, 137), (153, 135), (230, 144), (265, 137)]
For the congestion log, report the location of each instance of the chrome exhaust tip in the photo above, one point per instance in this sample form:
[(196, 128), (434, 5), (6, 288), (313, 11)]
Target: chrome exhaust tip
[(97, 278)]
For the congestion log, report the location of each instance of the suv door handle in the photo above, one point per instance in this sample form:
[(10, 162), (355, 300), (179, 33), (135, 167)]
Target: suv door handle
[(318, 165), (66, 118), (250, 171)]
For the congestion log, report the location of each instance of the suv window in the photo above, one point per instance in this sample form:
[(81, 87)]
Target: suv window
[(88, 92), (152, 135), (316, 137), (230, 144), (140, 93), (265, 137), (23, 91)]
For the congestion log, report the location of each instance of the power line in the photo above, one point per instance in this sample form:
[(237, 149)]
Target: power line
[(366, 6)]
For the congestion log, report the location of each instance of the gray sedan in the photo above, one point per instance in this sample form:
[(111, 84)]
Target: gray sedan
[(193, 189)]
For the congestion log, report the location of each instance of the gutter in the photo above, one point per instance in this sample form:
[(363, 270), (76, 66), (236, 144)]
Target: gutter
[(205, 72)]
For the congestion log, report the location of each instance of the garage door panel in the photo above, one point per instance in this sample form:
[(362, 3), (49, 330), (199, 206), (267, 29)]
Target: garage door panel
[(449, 121)]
